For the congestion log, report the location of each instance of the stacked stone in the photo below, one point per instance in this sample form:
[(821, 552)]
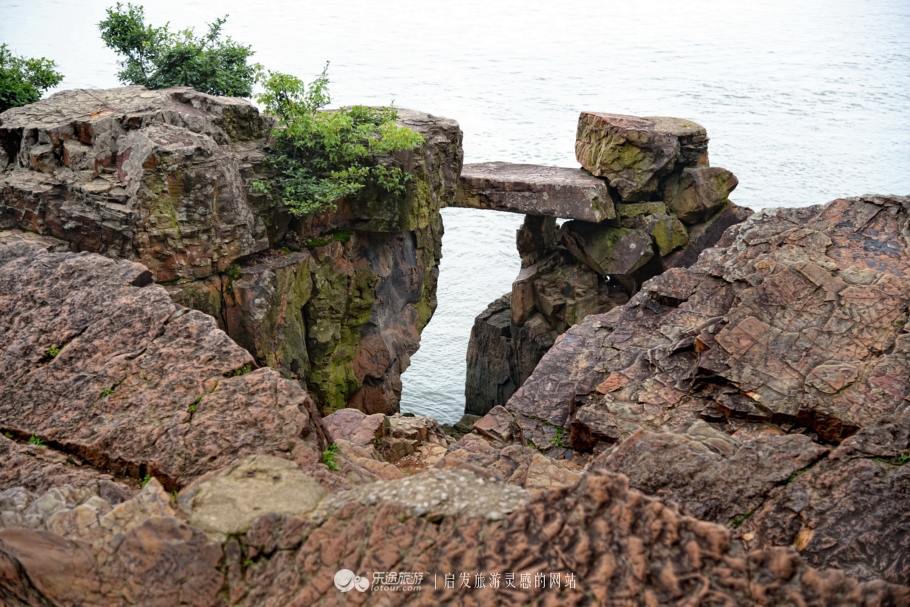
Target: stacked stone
[(646, 200)]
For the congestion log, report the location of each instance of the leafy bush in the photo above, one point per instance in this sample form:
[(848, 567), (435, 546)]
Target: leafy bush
[(23, 81), (323, 156), (328, 457), (157, 58)]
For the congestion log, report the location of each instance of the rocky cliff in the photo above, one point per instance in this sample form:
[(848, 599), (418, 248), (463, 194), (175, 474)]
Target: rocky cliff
[(644, 202), (163, 178)]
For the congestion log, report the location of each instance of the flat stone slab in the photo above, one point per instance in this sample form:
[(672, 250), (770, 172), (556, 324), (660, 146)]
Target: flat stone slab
[(534, 190)]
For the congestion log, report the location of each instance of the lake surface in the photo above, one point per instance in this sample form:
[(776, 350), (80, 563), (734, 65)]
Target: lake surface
[(803, 101)]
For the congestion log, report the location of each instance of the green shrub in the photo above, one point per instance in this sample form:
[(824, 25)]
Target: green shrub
[(328, 457), (158, 58), (319, 156), (34, 440), (52, 352), (23, 81)]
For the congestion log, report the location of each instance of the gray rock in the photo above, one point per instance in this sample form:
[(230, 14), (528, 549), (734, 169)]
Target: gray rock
[(534, 190)]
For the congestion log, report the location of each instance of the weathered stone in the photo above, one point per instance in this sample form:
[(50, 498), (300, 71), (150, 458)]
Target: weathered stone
[(534, 190), (462, 426), (850, 511), (48, 243), (155, 177), (607, 250), (693, 138), (640, 208), (804, 280), (489, 381), (125, 380), (705, 235), (356, 427), (230, 502), (536, 239), (712, 477), (698, 192), (667, 231), (630, 152), (499, 427)]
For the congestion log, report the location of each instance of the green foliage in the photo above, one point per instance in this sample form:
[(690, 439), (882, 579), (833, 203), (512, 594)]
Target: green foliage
[(234, 272), (328, 457), (145, 480), (52, 352), (158, 58), (8, 435), (321, 157), (737, 521), (23, 81), (34, 440), (558, 439), (241, 371), (902, 458), (192, 408), (106, 392)]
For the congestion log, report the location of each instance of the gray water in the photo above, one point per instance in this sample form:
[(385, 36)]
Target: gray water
[(804, 100)]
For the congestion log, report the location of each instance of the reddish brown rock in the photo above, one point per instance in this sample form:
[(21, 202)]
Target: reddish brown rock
[(499, 427), (534, 190), (356, 427), (605, 543), (634, 153), (99, 366), (850, 511), (94, 168)]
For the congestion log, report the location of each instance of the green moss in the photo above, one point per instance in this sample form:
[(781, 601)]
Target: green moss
[(34, 440), (52, 352)]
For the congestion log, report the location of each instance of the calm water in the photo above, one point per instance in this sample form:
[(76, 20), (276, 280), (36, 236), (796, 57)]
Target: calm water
[(804, 101)]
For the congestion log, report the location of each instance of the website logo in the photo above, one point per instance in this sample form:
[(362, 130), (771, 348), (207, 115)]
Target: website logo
[(346, 579)]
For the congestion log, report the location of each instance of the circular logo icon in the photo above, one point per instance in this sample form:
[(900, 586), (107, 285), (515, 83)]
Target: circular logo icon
[(346, 579)]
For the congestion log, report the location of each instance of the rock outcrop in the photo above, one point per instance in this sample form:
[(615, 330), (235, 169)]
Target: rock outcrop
[(666, 207), (336, 300), (100, 364), (726, 386), (534, 190), (598, 542)]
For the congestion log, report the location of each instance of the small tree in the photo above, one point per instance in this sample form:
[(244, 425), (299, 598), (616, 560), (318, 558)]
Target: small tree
[(157, 58), (23, 81), (322, 156)]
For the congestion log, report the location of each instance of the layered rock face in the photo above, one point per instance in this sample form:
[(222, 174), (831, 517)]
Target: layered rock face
[(163, 178), (728, 386), (99, 363), (646, 201)]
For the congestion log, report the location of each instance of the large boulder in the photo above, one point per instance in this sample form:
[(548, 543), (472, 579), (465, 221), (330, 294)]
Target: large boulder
[(534, 190), (101, 364), (725, 384), (698, 192), (152, 176), (633, 153)]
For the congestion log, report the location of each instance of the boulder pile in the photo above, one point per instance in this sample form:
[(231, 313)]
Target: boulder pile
[(644, 201)]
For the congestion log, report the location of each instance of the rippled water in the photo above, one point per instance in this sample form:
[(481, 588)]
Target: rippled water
[(804, 101)]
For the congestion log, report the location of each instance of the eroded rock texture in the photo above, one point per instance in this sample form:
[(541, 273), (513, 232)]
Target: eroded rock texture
[(667, 207), (164, 178), (727, 385), (151, 176), (100, 364), (604, 544)]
